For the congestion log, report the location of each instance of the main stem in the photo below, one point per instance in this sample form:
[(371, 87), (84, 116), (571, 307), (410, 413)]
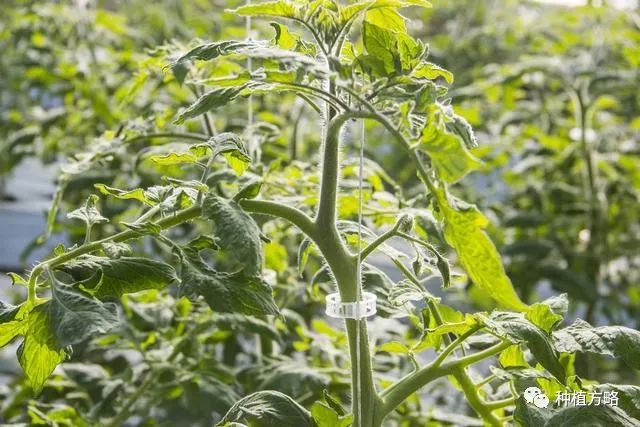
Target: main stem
[(366, 403)]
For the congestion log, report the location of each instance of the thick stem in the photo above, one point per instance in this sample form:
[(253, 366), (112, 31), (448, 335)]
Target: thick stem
[(365, 400)]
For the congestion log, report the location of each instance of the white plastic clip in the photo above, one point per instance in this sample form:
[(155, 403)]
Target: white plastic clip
[(351, 310)]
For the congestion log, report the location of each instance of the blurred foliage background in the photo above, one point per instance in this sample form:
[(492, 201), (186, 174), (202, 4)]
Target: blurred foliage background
[(552, 92)]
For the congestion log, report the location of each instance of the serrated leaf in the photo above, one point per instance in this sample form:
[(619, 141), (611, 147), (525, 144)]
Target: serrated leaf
[(122, 275), (225, 292), (615, 341), (463, 230), (211, 100), (237, 233), (448, 153), (88, 213), (431, 71), (76, 316), (542, 316), (40, 352), (269, 409), (516, 329), (174, 158), (116, 250), (135, 194), (406, 291)]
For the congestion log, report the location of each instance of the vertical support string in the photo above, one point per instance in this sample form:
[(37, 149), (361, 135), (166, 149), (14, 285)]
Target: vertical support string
[(359, 275)]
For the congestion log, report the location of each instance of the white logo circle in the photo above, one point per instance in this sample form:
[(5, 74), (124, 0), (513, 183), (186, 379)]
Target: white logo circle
[(530, 393), (541, 401)]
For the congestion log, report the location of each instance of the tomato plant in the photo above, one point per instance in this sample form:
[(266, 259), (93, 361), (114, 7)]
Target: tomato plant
[(214, 204)]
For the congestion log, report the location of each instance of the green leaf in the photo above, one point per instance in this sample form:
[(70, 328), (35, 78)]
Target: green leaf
[(269, 409), (516, 329), (76, 316), (448, 153), (135, 194), (628, 395), (122, 275), (324, 416), (237, 233), (615, 341), (529, 415), (349, 12), (542, 316), (116, 250), (463, 230), (406, 291), (394, 347), (278, 8), (249, 190), (209, 51), (225, 292), (211, 100), (40, 352), (9, 330), (304, 250), (8, 312), (430, 71), (88, 213)]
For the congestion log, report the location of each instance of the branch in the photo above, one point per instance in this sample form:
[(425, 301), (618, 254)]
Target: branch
[(288, 213), (168, 222)]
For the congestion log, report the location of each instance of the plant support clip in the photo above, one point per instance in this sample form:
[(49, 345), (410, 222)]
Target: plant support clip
[(351, 310)]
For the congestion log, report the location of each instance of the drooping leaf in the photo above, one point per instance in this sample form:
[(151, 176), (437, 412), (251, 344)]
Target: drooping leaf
[(269, 409), (232, 149), (448, 153), (463, 230), (431, 71), (40, 352), (122, 275), (516, 329), (215, 98), (277, 8), (136, 194), (76, 316), (615, 341), (225, 292), (237, 233)]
